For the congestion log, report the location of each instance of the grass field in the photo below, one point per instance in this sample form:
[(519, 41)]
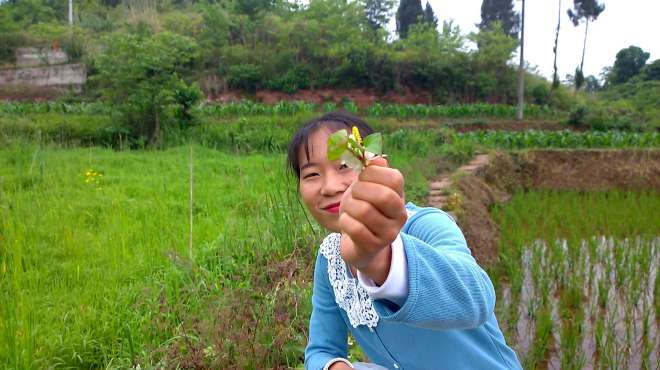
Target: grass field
[(577, 279), (95, 260), (85, 258)]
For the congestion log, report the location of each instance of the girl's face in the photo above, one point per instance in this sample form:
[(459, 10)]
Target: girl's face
[(323, 182)]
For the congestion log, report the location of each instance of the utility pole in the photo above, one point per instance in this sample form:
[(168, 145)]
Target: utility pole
[(521, 67), (71, 13)]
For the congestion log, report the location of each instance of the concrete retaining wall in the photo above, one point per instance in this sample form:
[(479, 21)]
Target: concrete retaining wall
[(33, 57), (57, 75)]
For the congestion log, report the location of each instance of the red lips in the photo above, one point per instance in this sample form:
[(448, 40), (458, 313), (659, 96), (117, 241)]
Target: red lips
[(332, 208)]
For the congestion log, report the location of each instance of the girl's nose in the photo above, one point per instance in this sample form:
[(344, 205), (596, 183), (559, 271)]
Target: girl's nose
[(334, 183)]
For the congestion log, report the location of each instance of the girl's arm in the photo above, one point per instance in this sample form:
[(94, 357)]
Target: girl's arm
[(328, 335), (447, 289)]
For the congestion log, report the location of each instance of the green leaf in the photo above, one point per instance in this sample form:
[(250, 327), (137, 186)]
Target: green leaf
[(374, 143), (337, 144), (352, 161)]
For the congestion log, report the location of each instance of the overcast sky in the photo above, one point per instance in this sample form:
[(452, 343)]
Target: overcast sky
[(623, 23)]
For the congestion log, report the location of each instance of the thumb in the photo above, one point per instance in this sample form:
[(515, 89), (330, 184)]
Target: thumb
[(378, 161)]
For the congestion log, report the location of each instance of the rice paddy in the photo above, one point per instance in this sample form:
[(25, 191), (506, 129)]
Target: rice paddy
[(578, 280)]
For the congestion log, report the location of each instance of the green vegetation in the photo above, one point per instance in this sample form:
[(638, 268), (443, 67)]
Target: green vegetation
[(95, 265), (95, 268), (283, 108), (251, 45), (98, 266), (584, 11), (270, 134), (576, 277), (562, 139), (142, 76)]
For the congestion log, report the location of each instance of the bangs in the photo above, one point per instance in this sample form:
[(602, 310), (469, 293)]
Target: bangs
[(334, 121)]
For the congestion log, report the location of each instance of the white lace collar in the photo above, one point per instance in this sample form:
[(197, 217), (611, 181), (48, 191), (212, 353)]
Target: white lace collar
[(349, 294)]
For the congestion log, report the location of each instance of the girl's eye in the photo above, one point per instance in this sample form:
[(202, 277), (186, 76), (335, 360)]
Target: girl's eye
[(309, 175), (343, 166)]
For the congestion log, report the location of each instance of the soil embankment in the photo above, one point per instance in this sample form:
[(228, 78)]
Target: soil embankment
[(473, 189)]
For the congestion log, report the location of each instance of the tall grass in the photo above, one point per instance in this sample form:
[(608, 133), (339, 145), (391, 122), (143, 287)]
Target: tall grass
[(96, 273), (95, 267)]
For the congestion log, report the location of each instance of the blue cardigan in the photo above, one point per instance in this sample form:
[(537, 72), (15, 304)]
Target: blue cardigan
[(446, 322)]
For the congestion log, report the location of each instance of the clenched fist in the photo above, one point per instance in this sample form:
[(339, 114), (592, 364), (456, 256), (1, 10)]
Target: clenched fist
[(371, 214)]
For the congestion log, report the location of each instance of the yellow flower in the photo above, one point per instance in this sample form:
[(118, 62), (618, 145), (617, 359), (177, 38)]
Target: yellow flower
[(356, 135)]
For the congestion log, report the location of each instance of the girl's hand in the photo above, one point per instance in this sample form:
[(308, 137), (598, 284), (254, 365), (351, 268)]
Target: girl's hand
[(371, 214)]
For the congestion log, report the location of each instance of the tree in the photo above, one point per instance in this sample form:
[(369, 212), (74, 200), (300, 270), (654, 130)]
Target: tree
[(500, 11), (587, 10), (29, 12), (252, 8), (429, 16), (651, 72), (591, 84), (378, 12), (144, 76), (629, 62), (494, 78), (555, 74), (409, 13)]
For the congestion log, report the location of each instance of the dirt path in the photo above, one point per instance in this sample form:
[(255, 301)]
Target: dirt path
[(439, 188)]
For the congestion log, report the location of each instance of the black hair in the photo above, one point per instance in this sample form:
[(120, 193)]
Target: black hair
[(334, 121)]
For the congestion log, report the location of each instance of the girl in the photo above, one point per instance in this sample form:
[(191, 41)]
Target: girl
[(399, 277)]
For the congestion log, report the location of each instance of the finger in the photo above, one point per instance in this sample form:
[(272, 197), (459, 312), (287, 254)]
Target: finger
[(385, 229), (386, 200), (378, 162), (365, 213), (386, 176), (366, 243)]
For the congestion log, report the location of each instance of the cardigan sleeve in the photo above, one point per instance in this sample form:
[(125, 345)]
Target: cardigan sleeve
[(328, 334), (447, 288)]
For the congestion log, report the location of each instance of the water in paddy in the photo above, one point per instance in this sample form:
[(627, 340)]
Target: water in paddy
[(585, 305)]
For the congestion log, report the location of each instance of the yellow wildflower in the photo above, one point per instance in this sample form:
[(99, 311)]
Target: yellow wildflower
[(356, 135), (93, 176)]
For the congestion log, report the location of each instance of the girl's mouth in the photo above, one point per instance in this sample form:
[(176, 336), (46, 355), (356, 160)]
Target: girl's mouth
[(332, 208)]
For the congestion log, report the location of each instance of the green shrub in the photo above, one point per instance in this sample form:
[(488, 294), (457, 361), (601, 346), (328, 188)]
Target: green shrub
[(10, 42), (651, 71), (246, 77), (563, 99), (541, 94), (145, 77), (298, 77), (577, 116), (74, 47)]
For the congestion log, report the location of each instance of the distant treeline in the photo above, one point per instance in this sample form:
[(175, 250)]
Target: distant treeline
[(251, 45)]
